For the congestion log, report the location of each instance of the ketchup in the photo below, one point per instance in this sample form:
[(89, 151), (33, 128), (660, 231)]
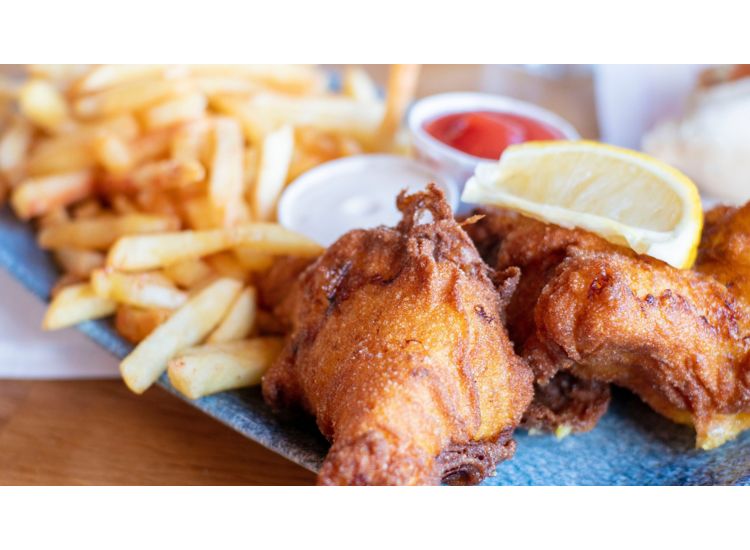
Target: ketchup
[(487, 134)]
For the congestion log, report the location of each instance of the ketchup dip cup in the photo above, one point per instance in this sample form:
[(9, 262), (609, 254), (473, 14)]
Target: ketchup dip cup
[(452, 163)]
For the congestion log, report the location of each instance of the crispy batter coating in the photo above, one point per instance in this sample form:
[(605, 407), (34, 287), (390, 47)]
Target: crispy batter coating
[(567, 404), (274, 284), (677, 338), (399, 351), (505, 238), (724, 252), (278, 294)]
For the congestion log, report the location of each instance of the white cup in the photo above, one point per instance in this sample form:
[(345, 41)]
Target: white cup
[(450, 162)]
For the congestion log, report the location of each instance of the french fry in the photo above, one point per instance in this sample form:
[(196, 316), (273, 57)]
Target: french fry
[(124, 126), (44, 105), (135, 323), (146, 290), (219, 367), (141, 252), (198, 213), (255, 124), (302, 161), (36, 196), (129, 96), (358, 85), (322, 144), (168, 174), (188, 273), (275, 159), (292, 79), (252, 260), (54, 217), (402, 86), (239, 321), (89, 208), (73, 150), (122, 204), (65, 281), (79, 262), (188, 326), (226, 184), (61, 76), (265, 112), (152, 146), (15, 142), (157, 175), (251, 169), (227, 265), (180, 109), (314, 147), (155, 251), (157, 202), (226, 85), (75, 304), (119, 153), (101, 232), (68, 153), (114, 154), (107, 76), (191, 141), (328, 113)]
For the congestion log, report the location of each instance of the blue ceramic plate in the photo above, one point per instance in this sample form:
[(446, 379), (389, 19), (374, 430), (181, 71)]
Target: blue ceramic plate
[(631, 445)]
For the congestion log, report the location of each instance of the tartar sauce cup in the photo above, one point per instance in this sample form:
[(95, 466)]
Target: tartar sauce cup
[(354, 192), (457, 165)]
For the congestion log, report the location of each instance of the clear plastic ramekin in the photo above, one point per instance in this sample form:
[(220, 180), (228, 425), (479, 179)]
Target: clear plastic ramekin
[(452, 163)]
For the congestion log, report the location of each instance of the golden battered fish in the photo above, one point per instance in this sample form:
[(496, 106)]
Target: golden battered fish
[(399, 351), (680, 339)]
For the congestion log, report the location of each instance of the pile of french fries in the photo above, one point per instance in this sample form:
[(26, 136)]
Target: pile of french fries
[(155, 189)]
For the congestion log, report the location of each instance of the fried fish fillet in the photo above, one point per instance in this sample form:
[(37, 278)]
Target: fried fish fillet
[(562, 402), (679, 339), (724, 252), (399, 351)]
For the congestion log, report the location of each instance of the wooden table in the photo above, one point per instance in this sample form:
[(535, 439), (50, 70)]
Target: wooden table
[(98, 433)]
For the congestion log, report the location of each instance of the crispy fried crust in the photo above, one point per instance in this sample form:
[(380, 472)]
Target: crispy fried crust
[(399, 351), (274, 284), (724, 253), (567, 403), (505, 238), (679, 339), (676, 338)]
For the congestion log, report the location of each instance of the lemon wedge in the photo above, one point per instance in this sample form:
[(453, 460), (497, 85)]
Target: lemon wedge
[(623, 196)]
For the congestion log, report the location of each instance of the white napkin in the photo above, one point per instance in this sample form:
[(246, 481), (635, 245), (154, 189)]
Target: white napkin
[(26, 351)]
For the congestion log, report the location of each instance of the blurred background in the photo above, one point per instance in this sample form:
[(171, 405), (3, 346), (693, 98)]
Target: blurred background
[(617, 103), (614, 103), (694, 117)]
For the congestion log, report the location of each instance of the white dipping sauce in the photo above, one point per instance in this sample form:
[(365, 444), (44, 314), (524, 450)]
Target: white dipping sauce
[(352, 193)]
